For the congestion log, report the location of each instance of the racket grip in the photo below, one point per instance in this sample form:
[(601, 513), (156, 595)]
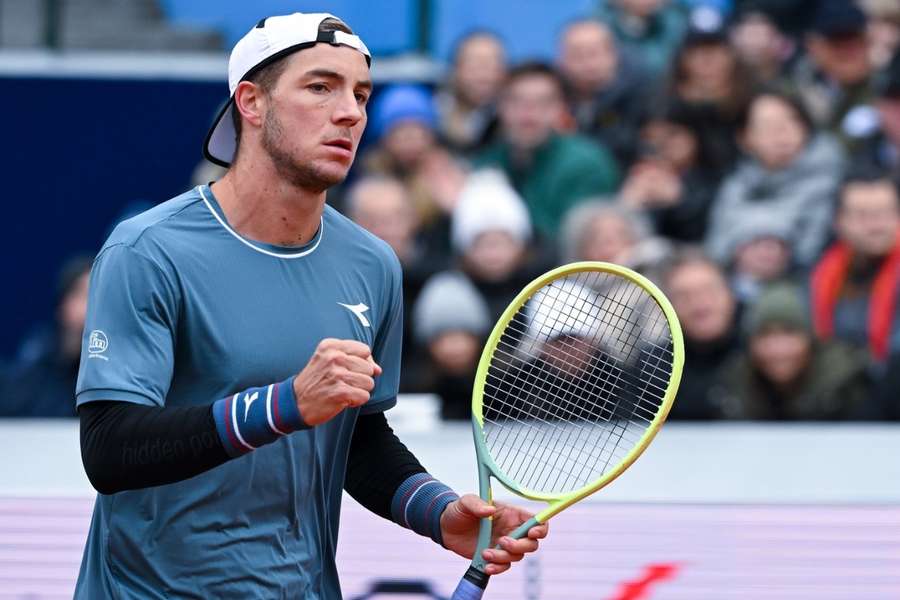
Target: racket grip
[(471, 586)]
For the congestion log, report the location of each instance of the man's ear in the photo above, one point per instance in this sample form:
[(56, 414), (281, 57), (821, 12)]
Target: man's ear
[(250, 102)]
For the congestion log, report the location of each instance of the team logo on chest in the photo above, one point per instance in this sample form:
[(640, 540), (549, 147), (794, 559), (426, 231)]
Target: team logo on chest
[(358, 310)]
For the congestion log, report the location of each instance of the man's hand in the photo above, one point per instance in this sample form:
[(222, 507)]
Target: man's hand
[(459, 528), (340, 374)]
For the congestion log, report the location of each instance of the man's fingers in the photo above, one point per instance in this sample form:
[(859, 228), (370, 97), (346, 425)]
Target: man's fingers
[(522, 546), (376, 366), (539, 532), (501, 557), (352, 347), (494, 569), (359, 381), (475, 506), (355, 396), (359, 365)]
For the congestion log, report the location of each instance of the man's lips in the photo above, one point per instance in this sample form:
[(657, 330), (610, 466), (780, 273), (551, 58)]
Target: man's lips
[(341, 143)]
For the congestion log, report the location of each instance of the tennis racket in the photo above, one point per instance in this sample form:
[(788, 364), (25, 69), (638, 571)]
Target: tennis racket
[(575, 380)]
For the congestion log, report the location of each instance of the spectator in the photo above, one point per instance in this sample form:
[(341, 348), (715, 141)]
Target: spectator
[(404, 127), (883, 30), (668, 181), (854, 285), (41, 382), (559, 362), (712, 86), (760, 255), (491, 232), (382, 205), (551, 171), (790, 176), (606, 87), (467, 105), (835, 81), (451, 322), (708, 312), (785, 374), (881, 146), (647, 29), (760, 44), (603, 231)]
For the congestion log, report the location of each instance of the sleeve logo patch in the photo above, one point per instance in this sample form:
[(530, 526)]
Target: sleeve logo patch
[(97, 344)]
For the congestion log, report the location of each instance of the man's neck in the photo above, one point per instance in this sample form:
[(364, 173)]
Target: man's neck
[(262, 206)]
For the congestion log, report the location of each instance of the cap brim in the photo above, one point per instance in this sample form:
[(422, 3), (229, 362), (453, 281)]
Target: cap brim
[(221, 141)]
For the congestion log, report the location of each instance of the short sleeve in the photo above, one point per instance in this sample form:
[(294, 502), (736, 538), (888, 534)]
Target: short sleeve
[(388, 342), (128, 345)]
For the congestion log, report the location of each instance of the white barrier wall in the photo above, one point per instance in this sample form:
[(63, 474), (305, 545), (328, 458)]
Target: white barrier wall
[(715, 511)]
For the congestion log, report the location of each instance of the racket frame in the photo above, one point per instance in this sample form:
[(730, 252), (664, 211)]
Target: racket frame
[(487, 468)]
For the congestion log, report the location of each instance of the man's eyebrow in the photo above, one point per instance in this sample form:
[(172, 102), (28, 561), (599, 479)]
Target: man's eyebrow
[(329, 74)]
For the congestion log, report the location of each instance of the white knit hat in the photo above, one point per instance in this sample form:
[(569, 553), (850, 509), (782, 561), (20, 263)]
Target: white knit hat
[(488, 203), (449, 302)]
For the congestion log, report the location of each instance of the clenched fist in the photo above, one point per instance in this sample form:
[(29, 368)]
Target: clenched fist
[(341, 374)]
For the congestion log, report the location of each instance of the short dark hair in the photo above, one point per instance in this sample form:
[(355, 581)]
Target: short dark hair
[(267, 77), (683, 256), (535, 68), (792, 101), (866, 173)]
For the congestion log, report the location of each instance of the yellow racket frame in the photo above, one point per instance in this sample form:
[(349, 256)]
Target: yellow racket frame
[(487, 466)]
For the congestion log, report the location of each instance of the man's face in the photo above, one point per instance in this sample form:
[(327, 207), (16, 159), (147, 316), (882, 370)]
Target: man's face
[(703, 301), (588, 57), (384, 209), (844, 58), (314, 117), (869, 217), (530, 109), (479, 70)]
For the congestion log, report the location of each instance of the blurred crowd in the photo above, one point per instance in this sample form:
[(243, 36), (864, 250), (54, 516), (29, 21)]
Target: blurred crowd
[(743, 155)]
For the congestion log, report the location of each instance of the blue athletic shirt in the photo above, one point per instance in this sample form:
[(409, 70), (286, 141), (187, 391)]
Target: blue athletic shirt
[(183, 310)]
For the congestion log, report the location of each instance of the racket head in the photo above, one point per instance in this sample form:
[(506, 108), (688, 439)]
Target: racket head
[(606, 325)]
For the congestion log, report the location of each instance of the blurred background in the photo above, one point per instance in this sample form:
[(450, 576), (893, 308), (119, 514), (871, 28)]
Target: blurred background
[(743, 154)]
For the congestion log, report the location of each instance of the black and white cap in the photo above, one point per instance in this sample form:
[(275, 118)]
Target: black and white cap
[(271, 39)]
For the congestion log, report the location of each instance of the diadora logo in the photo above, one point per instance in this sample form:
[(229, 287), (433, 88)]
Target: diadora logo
[(358, 310), (248, 400), (97, 344)]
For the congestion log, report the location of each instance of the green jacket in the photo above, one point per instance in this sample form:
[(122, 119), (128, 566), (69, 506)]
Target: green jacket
[(835, 387), (564, 171)]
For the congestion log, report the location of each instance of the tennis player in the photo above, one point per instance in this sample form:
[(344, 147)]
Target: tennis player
[(242, 344)]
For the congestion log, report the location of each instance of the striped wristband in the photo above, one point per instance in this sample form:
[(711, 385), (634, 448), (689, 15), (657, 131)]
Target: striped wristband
[(256, 417), (418, 504)]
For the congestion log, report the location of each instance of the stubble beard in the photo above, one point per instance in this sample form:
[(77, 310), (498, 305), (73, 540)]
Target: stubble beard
[(304, 175)]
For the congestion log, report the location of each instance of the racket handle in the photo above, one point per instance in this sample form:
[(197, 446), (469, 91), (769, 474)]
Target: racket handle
[(471, 586)]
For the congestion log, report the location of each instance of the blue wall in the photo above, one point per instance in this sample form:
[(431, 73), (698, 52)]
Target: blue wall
[(390, 26), (77, 153), (387, 27)]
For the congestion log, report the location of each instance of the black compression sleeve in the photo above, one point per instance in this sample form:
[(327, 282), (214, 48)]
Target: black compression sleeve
[(378, 464), (127, 446)]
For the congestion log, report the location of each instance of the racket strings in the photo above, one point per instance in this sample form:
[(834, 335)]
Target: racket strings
[(577, 377)]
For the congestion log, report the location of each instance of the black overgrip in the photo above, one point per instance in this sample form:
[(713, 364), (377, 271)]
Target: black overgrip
[(477, 577)]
